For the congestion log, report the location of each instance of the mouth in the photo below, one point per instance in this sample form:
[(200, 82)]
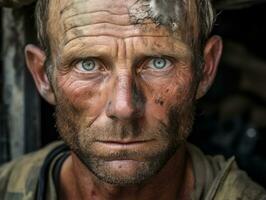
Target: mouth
[(136, 150), (124, 142), (124, 150)]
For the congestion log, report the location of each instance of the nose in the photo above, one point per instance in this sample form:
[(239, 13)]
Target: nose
[(125, 99)]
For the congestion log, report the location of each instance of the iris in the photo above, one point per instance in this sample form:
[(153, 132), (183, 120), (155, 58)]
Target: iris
[(88, 65), (159, 63)]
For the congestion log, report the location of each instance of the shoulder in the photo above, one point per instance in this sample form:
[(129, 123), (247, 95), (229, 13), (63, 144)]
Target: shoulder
[(222, 178), (19, 178), (234, 184)]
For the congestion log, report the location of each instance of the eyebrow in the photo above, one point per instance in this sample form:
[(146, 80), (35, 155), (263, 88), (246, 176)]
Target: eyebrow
[(178, 51), (80, 51), (104, 51)]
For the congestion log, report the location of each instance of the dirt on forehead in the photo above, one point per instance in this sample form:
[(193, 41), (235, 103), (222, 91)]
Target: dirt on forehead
[(162, 12)]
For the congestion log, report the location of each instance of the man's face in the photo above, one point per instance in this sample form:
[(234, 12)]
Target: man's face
[(124, 92)]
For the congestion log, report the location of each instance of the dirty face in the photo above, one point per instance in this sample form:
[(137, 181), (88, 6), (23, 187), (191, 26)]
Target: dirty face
[(124, 92)]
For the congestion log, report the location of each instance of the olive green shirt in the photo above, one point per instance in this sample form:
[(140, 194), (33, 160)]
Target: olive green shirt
[(31, 177)]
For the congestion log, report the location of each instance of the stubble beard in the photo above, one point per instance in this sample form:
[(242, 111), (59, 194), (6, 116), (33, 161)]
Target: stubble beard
[(80, 137)]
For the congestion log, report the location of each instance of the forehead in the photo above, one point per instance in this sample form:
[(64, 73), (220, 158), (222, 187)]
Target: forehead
[(78, 20), (78, 11), (133, 11)]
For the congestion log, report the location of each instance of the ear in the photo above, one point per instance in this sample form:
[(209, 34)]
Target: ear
[(35, 59), (212, 55)]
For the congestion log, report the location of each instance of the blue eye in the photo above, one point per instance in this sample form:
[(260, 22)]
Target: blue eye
[(159, 63), (88, 65)]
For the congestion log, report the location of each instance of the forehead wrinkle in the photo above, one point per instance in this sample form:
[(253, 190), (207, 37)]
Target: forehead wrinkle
[(94, 11), (131, 54), (85, 49), (81, 6), (112, 30), (83, 21), (121, 50), (93, 51), (110, 36), (95, 17)]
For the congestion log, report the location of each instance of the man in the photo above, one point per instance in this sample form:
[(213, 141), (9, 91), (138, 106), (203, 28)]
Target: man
[(124, 76)]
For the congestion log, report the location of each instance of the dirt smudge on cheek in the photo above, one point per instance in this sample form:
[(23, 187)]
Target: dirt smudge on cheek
[(159, 101), (165, 95)]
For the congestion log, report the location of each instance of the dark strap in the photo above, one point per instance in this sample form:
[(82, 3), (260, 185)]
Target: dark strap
[(57, 169), (43, 177)]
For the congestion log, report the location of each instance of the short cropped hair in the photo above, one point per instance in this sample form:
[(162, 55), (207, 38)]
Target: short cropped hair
[(41, 20)]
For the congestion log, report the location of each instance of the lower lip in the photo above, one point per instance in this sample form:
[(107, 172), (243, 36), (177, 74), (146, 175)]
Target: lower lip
[(111, 149), (123, 144)]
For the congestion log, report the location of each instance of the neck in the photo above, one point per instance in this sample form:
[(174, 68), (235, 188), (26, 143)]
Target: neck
[(174, 181)]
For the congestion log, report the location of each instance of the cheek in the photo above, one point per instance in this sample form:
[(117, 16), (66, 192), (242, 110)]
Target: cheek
[(83, 95), (165, 93)]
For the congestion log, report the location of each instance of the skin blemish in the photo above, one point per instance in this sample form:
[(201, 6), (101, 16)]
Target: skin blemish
[(93, 193), (159, 101)]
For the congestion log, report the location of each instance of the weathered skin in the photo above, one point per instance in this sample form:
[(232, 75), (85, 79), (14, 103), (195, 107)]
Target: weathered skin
[(125, 119)]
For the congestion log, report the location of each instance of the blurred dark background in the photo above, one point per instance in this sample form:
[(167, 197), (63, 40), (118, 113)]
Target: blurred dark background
[(230, 119)]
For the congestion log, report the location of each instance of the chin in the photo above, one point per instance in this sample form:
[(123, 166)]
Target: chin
[(124, 172)]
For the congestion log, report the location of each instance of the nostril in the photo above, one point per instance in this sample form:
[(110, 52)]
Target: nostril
[(109, 111)]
